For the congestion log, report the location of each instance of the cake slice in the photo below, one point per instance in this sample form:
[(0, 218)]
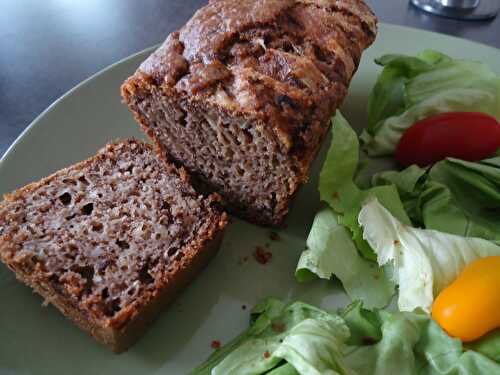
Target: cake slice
[(111, 240), (242, 95)]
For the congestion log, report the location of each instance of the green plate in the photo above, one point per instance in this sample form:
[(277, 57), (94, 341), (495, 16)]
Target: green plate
[(39, 340)]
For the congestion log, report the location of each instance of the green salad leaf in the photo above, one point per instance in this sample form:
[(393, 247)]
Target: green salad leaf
[(308, 339), (336, 234), (409, 183), (331, 251), (410, 89), (302, 339), (454, 196), (388, 95), (488, 345), (467, 200), (337, 187), (425, 261), (412, 343)]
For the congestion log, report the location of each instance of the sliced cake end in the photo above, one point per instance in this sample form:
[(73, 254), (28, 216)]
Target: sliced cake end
[(111, 240)]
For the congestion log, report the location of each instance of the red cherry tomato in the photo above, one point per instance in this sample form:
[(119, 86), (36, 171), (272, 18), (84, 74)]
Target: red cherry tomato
[(463, 135)]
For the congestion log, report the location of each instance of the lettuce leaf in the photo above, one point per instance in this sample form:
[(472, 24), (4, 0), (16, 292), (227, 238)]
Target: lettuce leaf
[(425, 261), (337, 187), (488, 345), (412, 343), (388, 95), (354, 341), (336, 234), (412, 88), (464, 198), (455, 196), (409, 182), (331, 251), (310, 340)]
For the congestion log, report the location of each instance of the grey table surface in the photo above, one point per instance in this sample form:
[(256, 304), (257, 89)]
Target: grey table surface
[(47, 47)]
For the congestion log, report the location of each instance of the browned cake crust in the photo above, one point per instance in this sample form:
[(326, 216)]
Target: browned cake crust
[(111, 240), (242, 95)]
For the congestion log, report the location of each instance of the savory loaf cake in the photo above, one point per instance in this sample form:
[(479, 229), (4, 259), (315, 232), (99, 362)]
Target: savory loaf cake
[(110, 241), (242, 95)]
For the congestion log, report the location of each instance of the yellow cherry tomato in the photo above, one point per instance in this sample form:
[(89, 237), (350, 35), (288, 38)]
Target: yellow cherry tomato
[(470, 306)]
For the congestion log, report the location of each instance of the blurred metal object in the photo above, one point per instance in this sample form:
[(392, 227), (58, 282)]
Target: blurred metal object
[(463, 4), (473, 10)]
